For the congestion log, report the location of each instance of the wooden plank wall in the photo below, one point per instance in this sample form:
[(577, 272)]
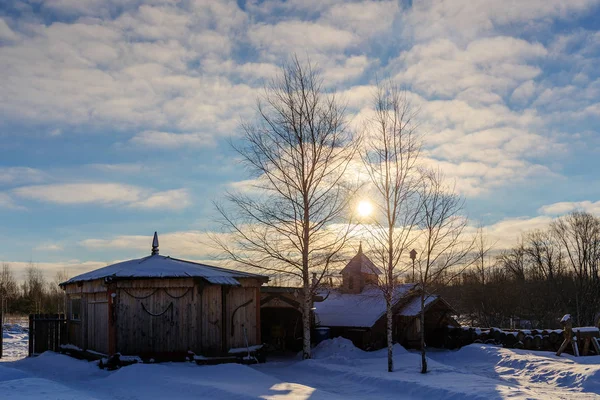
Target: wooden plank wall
[(168, 316), (156, 315), (244, 317), (211, 320)]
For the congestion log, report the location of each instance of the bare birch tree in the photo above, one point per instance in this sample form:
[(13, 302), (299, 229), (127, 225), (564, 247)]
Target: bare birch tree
[(445, 250), (578, 233), (391, 150), (298, 151)]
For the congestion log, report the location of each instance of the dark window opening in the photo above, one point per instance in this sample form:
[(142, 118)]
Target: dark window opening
[(351, 282), (76, 309)]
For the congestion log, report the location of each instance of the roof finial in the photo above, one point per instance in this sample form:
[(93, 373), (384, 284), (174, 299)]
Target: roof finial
[(360, 247), (155, 244)]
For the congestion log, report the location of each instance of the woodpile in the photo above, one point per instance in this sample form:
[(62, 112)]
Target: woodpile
[(528, 339)]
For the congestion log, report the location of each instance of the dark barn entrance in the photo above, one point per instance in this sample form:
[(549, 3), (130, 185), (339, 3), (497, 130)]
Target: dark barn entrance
[(281, 318), (281, 328)]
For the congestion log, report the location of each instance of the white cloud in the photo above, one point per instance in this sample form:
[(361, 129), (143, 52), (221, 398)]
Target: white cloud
[(170, 140), (300, 36), (49, 247), (109, 194), (6, 201), (5, 32), (365, 18), (177, 244), (126, 168), (172, 199), (466, 19), (506, 232), (20, 175), (441, 67), (51, 269), (565, 207), (524, 92)]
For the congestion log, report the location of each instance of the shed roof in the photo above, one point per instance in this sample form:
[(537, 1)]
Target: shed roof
[(359, 310), (157, 266), (413, 307), (361, 263)]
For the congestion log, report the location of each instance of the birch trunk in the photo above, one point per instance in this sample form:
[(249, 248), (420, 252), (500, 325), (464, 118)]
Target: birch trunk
[(390, 348), (306, 323)]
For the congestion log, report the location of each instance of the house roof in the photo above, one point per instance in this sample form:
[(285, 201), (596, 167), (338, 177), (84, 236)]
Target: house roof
[(157, 266), (359, 310), (361, 263)]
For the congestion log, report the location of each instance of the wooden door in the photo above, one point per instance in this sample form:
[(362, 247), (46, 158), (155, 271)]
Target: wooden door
[(97, 326)]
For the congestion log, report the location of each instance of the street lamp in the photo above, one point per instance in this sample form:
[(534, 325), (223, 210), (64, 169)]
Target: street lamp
[(413, 256)]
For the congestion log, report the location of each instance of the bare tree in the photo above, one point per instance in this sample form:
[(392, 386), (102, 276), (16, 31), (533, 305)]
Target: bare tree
[(390, 154), (34, 288), (8, 288), (445, 253), (579, 236), (298, 151)]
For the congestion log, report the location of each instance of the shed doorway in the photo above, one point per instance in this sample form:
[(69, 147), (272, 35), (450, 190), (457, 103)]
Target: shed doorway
[(281, 328)]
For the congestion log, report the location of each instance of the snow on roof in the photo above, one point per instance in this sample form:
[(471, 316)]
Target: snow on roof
[(361, 263), (157, 266), (413, 307), (360, 310)]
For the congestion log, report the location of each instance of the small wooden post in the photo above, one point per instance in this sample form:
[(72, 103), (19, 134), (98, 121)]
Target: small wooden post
[(31, 334), (596, 345), (568, 334), (112, 330), (586, 346)]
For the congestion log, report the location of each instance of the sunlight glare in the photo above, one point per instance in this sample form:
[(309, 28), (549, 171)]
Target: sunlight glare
[(364, 208)]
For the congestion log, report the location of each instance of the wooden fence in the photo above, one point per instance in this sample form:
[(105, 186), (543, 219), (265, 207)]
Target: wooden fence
[(47, 332)]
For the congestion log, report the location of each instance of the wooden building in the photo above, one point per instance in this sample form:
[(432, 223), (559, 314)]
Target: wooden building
[(357, 310), (163, 307)]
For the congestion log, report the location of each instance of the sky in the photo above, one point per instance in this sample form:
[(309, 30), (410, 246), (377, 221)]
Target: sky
[(116, 115)]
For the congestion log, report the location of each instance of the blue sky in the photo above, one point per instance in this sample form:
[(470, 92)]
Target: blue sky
[(114, 115)]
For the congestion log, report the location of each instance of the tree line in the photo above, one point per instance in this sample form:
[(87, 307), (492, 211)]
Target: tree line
[(34, 294), (548, 273)]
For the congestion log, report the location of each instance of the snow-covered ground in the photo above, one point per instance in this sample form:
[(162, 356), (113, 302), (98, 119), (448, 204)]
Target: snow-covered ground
[(338, 371), (15, 338)]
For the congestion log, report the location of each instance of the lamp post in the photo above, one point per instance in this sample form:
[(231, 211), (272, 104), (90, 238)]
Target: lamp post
[(413, 256)]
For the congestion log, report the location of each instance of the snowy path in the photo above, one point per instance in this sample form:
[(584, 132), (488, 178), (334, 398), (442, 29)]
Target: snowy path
[(339, 371)]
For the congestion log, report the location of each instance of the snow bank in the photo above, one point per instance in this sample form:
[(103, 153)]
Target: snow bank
[(16, 342), (337, 347)]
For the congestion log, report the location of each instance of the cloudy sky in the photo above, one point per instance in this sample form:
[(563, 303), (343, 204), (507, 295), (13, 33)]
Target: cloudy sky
[(114, 115)]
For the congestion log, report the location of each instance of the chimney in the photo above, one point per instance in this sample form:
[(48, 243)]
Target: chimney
[(155, 244)]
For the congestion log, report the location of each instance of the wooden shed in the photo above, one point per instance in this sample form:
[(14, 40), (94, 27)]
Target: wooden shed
[(357, 310), (163, 307)]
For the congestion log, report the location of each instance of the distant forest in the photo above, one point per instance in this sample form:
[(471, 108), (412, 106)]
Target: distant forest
[(34, 295), (549, 273)]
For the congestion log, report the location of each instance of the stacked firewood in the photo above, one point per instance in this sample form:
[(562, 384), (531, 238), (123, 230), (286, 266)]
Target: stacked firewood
[(528, 339)]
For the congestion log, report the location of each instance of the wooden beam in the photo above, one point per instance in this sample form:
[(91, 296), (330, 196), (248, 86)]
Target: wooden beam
[(258, 321), (224, 318)]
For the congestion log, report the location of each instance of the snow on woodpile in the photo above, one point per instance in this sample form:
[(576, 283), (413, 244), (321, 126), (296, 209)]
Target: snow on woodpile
[(360, 310), (587, 329)]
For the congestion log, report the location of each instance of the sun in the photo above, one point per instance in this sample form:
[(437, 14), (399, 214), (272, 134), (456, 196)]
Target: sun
[(364, 208)]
